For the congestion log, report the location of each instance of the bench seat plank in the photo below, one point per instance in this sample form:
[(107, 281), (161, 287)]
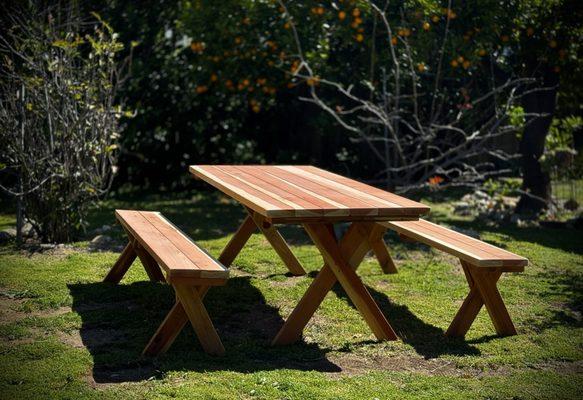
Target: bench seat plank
[(179, 256), (474, 251)]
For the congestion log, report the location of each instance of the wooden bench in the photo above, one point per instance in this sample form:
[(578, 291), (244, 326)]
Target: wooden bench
[(483, 264), (169, 255)]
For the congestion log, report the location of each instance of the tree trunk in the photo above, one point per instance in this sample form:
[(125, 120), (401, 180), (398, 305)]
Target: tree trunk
[(536, 181)]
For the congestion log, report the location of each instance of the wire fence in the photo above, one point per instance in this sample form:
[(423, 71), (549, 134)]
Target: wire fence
[(567, 184)]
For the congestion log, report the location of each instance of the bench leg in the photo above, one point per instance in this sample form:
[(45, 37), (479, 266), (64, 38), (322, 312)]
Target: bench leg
[(380, 249), (278, 243), (188, 306), (483, 291), (237, 242), (122, 264), (191, 299), (150, 265), (167, 332)]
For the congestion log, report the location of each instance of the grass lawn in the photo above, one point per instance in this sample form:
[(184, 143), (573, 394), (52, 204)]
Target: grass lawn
[(64, 334)]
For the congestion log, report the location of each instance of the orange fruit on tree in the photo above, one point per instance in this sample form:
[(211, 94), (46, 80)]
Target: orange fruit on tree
[(421, 67), (313, 81), (359, 37), (394, 41), (435, 18), (355, 12), (454, 63), (426, 26), (341, 15)]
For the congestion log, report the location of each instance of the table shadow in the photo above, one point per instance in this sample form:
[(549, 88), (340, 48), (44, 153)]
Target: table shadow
[(117, 322), (428, 340)]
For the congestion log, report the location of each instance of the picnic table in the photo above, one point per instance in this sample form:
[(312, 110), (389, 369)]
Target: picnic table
[(316, 199)]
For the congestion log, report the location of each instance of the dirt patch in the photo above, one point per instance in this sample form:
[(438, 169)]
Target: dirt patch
[(10, 310), (103, 377), (289, 281), (352, 364), (90, 338)]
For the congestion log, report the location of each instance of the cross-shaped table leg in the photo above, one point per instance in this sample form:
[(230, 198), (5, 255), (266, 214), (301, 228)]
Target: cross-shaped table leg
[(341, 260), (483, 291), (252, 222)]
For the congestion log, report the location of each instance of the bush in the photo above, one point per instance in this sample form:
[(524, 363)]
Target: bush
[(59, 123)]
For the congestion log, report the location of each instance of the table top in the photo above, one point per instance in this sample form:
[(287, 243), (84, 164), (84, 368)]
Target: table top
[(303, 191)]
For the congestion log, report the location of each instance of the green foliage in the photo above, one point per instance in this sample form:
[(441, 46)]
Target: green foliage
[(213, 81), (59, 115), (560, 135), (502, 187)]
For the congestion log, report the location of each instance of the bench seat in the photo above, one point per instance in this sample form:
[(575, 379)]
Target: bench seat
[(169, 255), (472, 250), (482, 263), (176, 253)]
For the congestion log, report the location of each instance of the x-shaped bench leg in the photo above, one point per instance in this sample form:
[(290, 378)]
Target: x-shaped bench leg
[(483, 291), (341, 260), (132, 250), (188, 306), (252, 222)]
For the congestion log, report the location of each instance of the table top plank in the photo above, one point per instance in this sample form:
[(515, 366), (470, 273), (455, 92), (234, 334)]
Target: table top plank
[(241, 192), (305, 191), (364, 188), (344, 193), (270, 186), (355, 205)]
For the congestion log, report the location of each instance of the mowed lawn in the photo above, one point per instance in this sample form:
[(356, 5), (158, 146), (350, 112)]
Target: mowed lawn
[(65, 334)]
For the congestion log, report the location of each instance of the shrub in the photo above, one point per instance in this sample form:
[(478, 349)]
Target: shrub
[(58, 118)]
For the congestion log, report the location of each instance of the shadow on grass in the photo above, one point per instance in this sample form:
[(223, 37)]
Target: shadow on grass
[(118, 320), (428, 340)]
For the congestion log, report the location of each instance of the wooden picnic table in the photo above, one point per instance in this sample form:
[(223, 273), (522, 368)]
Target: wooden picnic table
[(315, 199)]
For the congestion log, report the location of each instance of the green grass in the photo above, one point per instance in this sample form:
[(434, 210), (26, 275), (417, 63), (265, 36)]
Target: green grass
[(64, 334)]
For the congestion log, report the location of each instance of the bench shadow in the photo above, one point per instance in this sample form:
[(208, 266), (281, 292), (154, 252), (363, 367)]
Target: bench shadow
[(428, 340), (117, 322)]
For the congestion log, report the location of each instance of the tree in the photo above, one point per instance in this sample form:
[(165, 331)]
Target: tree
[(419, 88), (546, 46)]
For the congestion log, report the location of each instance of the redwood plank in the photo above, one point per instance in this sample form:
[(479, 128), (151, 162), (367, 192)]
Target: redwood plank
[(237, 242), (354, 204), (328, 246), (382, 194), (353, 247), (245, 194), (481, 254), (122, 264), (198, 256), (300, 205)]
